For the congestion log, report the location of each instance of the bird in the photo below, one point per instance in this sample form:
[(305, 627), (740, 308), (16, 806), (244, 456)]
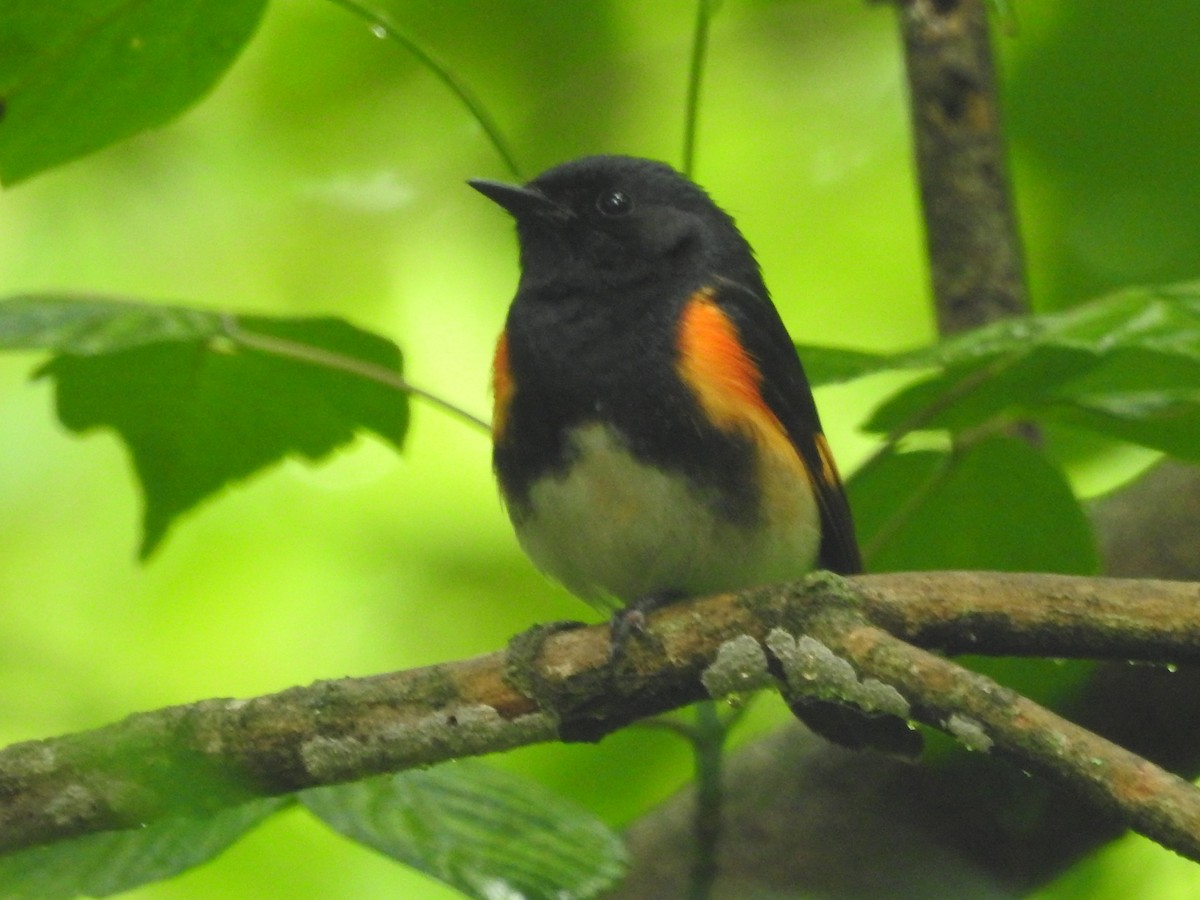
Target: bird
[(654, 433)]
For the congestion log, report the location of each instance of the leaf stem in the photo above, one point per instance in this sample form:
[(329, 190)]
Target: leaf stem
[(708, 735), (317, 356), (704, 10), (708, 747), (904, 513), (921, 418), (381, 24)]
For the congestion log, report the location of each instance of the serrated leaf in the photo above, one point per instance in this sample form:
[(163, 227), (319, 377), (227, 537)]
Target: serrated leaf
[(78, 75), (200, 399), (110, 862), (485, 832), (998, 504)]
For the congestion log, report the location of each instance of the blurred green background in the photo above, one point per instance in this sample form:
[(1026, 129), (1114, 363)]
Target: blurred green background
[(325, 175)]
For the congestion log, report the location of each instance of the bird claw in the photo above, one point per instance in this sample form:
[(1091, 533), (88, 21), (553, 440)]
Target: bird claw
[(630, 621)]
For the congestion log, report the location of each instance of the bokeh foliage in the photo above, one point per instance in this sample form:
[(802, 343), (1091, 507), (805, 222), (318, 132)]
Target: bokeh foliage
[(323, 176)]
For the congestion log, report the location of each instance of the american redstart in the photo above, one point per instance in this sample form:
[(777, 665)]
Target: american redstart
[(654, 434)]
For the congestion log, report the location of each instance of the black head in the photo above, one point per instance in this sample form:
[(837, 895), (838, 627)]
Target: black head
[(613, 221)]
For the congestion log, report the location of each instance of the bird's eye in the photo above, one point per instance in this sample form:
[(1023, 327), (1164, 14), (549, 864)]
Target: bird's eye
[(614, 203)]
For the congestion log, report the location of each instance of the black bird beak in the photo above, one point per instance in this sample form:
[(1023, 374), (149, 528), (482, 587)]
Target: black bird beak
[(522, 202)]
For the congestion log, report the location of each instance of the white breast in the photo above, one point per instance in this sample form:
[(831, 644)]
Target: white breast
[(613, 529)]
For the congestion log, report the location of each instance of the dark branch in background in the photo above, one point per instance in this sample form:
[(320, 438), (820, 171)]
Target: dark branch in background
[(1151, 529), (974, 245), (553, 684)]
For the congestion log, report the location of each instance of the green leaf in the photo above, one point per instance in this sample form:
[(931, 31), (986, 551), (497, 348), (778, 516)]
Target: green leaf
[(832, 365), (85, 325), (1163, 419), (98, 865), (965, 395), (998, 504), (78, 75), (1127, 366), (1146, 397), (202, 400), (485, 832)]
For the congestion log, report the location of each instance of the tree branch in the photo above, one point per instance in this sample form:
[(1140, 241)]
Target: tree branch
[(555, 683), (976, 263), (1058, 616), (983, 715)]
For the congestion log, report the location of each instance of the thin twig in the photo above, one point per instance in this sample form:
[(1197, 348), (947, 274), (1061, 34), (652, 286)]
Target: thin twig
[(691, 112), (708, 751), (902, 513), (318, 356), (383, 26), (709, 733)]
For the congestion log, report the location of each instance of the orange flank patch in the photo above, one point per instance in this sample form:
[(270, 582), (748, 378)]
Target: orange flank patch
[(502, 388), (724, 377)]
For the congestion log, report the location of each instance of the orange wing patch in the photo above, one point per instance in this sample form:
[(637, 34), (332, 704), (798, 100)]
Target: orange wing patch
[(503, 388), (829, 472), (724, 377)]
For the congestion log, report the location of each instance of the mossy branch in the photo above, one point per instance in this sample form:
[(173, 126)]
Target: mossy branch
[(557, 684)]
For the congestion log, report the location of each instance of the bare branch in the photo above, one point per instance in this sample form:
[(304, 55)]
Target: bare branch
[(555, 683), (975, 256), (1057, 616)]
